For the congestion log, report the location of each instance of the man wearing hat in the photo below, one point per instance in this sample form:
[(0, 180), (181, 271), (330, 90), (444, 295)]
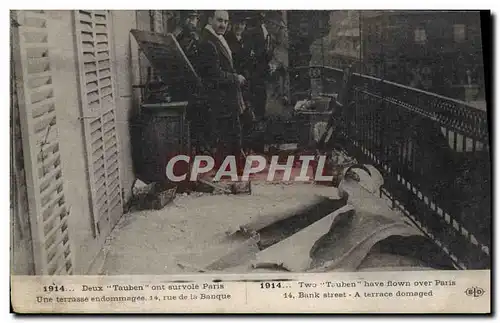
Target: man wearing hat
[(188, 38), (257, 42), (234, 38), (235, 41)]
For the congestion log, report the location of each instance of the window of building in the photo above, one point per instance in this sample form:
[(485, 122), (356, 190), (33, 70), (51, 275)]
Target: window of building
[(420, 35), (459, 32)]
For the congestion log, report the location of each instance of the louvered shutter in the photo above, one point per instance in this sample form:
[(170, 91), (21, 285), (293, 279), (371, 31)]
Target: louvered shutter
[(97, 92), (40, 140)]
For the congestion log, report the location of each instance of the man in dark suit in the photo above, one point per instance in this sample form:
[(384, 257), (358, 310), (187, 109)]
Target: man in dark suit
[(235, 41), (222, 86), (234, 38), (188, 39), (257, 42)]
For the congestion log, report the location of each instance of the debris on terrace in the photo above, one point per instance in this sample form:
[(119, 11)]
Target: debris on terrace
[(304, 227), (343, 224)]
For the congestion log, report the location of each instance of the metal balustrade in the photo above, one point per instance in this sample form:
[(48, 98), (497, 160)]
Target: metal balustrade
[(433, 151)]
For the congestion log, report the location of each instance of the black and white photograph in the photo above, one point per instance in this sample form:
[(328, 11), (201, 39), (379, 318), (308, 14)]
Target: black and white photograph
[(192, 142)]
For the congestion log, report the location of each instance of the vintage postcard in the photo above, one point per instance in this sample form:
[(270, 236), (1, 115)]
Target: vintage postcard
[(250, 161)]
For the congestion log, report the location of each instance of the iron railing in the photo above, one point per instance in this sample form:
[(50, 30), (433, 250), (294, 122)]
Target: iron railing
[(434, 154)]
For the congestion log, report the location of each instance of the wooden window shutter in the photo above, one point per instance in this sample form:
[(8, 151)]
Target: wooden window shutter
[(40, 139), (98, 103)]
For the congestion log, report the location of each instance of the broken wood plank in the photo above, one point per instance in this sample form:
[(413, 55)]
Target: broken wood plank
[(312, 206), (151, 197), (216, 186), (244, 187), (293, 252), (301, 219), (261, 220)]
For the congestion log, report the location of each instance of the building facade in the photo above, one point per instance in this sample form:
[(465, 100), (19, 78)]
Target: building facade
[(439, 52)]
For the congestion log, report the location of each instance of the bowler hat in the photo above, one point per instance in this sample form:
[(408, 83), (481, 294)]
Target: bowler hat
[(254, 18)]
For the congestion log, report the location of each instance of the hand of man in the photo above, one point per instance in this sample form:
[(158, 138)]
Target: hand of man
[(272, 68), (241, 79)]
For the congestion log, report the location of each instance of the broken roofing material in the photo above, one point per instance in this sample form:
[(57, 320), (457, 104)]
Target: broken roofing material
[(150, 196), (342, 240), (358, 177), (260, 234), (406, 251), (300, 219), (293, 252), (308, 213), (351, 248), (357, 231), (338, 242)]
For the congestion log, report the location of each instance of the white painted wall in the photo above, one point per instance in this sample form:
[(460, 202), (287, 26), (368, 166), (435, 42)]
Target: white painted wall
[(126, 67)]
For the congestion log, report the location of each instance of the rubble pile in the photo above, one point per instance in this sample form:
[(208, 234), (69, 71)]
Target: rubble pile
[(150, 196)]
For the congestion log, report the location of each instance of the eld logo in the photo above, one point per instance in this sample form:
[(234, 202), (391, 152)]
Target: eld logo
[(474, 291)]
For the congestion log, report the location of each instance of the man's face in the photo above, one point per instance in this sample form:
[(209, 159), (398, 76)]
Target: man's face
[(192, 21), (239, 27), (219, 21)]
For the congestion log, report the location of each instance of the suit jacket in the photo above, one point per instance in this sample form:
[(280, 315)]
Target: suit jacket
[(188, 40), (221, 88), (238, 52), (259, 49)]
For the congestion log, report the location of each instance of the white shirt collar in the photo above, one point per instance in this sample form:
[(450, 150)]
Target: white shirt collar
[(210, 29), (264, 30)]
